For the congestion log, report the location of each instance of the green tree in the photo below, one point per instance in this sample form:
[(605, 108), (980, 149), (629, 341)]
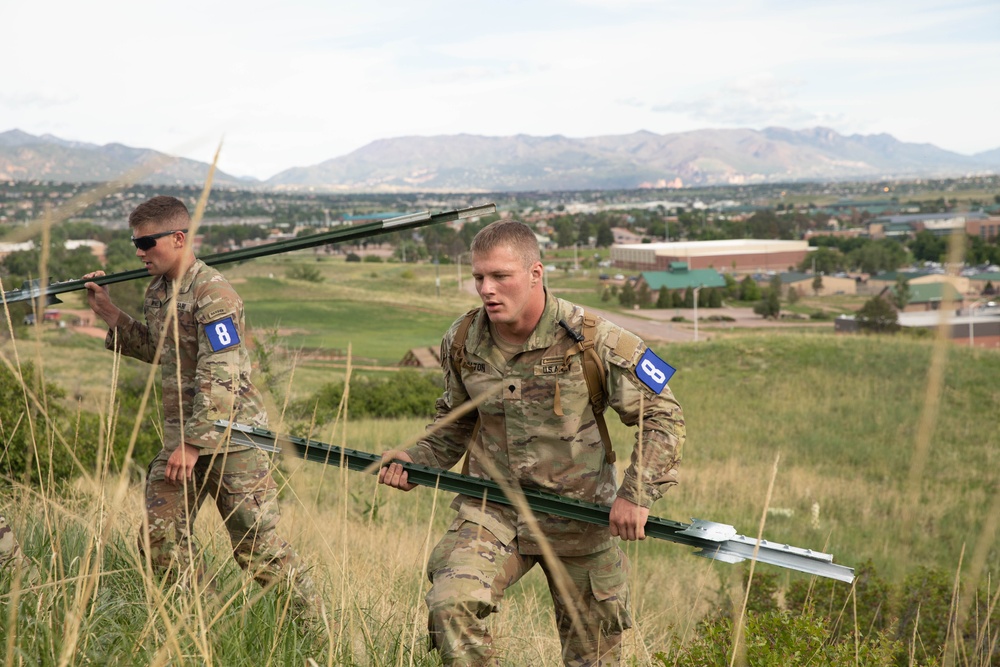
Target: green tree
[(824, 259), (900, 293), (877, 315), (817, 284), (643, 295), (770, 305), (605, 237), (926, 247), (881, 255), (732, 287), (626, 297), (663, 299), (565, 233), (749, 289)]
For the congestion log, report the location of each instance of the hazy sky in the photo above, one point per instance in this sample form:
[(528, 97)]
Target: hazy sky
[(297, 82)]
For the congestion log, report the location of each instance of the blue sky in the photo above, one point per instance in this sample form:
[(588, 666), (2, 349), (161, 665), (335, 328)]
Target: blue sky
[(298, 82)]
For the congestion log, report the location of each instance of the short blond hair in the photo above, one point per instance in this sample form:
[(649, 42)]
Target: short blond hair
[(511, 234), (163, 211)]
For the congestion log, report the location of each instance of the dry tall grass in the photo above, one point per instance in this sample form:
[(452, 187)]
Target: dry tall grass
[(95, 601)]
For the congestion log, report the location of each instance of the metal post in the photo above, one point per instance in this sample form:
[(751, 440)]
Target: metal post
[(696, 290), (437, 277)]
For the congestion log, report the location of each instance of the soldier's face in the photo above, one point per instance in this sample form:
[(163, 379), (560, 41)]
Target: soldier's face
[(164, 257), (504, 284)]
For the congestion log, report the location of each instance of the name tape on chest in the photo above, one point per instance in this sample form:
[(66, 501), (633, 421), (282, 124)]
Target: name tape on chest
[(222, 334), (654, 372)]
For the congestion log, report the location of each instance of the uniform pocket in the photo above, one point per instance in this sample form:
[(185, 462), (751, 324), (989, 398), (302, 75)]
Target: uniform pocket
[(609, 585)]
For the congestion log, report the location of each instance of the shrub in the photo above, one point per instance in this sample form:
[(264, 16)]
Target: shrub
[(38, 443), (372, 258), (352, 257), (408, 393), (303, 272), (831, 600)]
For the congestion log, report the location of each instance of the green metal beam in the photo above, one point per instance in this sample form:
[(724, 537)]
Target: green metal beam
[(716, 540), (32, 289)]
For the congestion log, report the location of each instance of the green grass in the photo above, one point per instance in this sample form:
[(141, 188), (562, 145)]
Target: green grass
[(841, 414)]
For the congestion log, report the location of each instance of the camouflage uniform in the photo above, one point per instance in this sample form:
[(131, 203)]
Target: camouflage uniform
[(210, 359), (539, 432), (10, 550)]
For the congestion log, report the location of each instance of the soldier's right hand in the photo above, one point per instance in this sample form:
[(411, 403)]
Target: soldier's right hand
[(392, 473), (99, 299)]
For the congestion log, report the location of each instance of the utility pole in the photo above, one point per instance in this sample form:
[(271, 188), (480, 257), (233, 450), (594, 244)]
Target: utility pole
[(696, 290), (437, 276)]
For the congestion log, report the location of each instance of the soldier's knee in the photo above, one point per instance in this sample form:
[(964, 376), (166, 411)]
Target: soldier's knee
[(459, 593)]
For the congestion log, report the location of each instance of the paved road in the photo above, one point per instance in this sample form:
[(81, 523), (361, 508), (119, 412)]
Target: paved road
[(655, 324)]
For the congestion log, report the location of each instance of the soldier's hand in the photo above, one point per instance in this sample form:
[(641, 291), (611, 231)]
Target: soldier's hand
[(99, 300), (180, 464), (392, 473), (628, 520)]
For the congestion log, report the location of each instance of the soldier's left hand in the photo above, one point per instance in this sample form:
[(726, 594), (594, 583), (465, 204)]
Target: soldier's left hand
[(628, 520), (180, 464)]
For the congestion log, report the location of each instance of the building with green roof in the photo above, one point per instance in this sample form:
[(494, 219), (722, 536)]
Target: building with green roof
[(680, 277), (930, 296)]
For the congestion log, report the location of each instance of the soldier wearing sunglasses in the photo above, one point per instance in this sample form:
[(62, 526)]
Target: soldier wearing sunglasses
[(206, 377)]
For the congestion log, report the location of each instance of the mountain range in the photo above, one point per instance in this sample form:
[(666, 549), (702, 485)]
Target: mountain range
[(470, 163)]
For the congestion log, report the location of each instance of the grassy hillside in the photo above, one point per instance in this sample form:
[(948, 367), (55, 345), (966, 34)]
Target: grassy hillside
[(884, 450)]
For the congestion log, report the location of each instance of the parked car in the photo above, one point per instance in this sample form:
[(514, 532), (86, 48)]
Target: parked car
[(47, 316)]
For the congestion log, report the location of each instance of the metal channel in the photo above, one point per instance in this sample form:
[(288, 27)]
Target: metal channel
[(715, 540), (33, 289)]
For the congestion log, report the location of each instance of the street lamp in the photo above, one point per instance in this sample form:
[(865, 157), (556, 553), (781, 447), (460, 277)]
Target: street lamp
[(696, 290), (459, 262)]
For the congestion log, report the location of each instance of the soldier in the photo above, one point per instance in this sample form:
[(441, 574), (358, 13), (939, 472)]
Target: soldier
[(539, 430), (206, 377), (10, 550)]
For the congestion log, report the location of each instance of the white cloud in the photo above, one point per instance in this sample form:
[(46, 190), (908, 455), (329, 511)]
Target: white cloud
[(308, 80)]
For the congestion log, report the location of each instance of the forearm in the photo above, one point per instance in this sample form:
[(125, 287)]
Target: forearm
[(111, 314), (444, 447), (653, 467), (130, 338)]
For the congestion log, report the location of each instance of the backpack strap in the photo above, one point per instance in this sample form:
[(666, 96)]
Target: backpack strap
[(593, 372), (458, 343), (458, 358)]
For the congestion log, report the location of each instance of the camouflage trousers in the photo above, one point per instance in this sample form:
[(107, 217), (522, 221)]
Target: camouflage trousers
[(470, 569), (246, 496), (10, 550)]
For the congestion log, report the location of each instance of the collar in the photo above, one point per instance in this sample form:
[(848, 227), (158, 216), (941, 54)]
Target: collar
[(547, 332), (186, 281)]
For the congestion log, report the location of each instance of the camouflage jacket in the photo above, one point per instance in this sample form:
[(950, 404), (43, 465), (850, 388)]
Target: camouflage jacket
[(523, 439), (210, 352)]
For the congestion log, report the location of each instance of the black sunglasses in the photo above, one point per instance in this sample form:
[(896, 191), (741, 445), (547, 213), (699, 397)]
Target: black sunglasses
[(149, 241)]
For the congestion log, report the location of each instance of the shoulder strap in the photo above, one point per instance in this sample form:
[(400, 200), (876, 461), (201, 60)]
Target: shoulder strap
[(593, 371), (458, 358), (458, 343)]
